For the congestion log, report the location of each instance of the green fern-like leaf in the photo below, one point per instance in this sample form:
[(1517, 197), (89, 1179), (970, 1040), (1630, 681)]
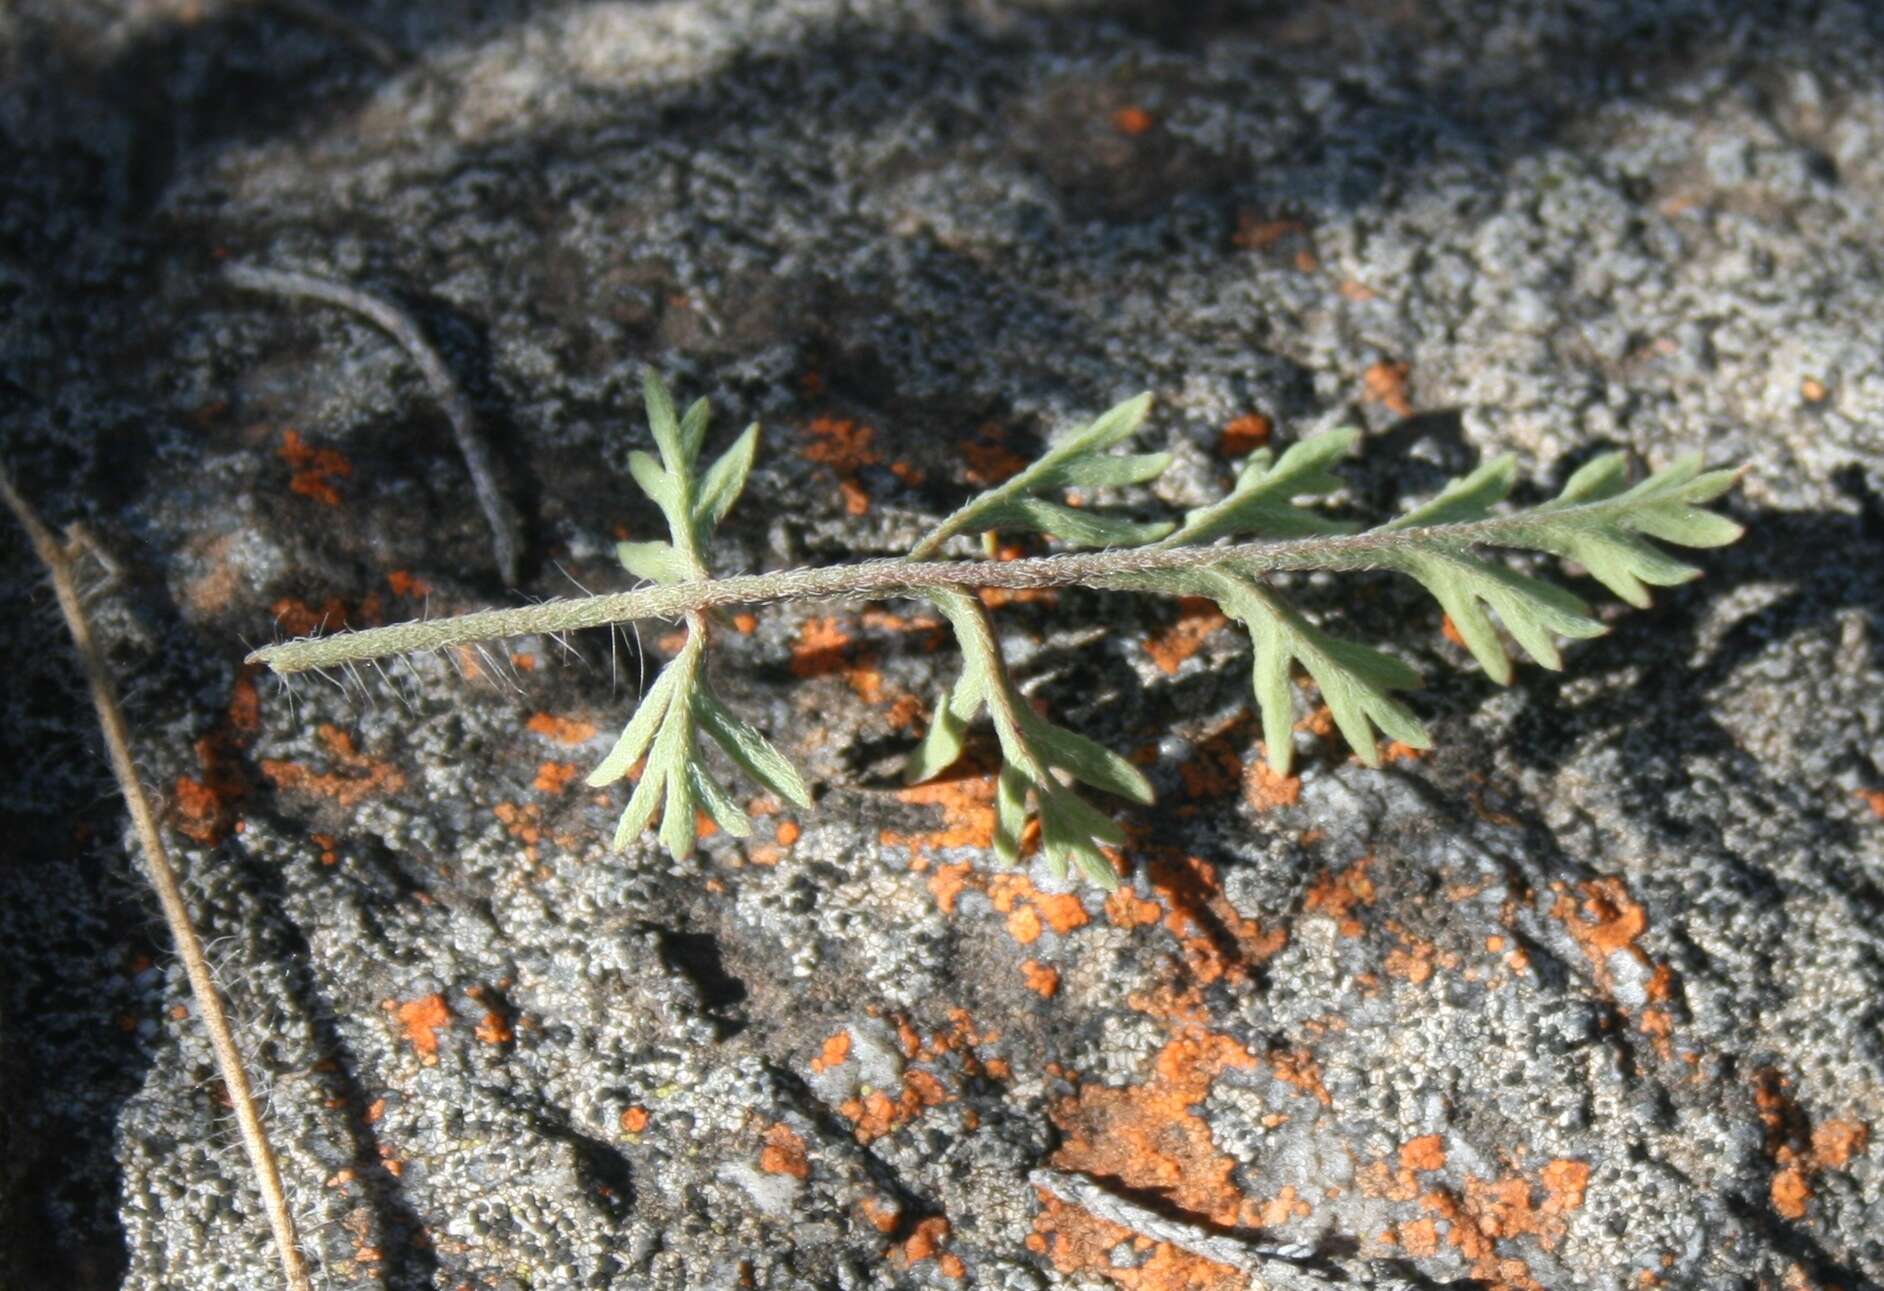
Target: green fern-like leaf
[(1229, 551), (681, 705), (1262, 503), (1076, 460), (1039, 760), (1594, 521)]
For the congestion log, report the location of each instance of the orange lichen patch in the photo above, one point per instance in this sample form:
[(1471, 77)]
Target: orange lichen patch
[(1412, 962), (554, 777), (494, 1029), (846, 447), (1607, 921), (967, 805), (562, 730), (1132, 121), (1030, 911), (1427, 1152), (1320, 721), (929, 630), (1359, 292), (1799, 1149), (1419, 1238), (820, 649), (1298, 1067), (906, 713), (745, 623), (1217, 941), (883, 1216), (1023, 926), (1079, 1242), (294, 617), (990, 460), (835, 1050), (1286, 1205), (204, 809), (1265, 789), (1244, 435), (405, 584), (1834, 1143), (1198, 619), (785, 832), (1790, 1192), (315, 470), (1488, 1212), (634, 1120), (1874, 799), (420, 1020), (1812, 391), (523, 823), (365, 776), (947, 883), (1384, 383), (1338, 892), (925, 1242), (1148, 1136), (1126, 909), (1565, 1182), (878, 1112), (244, 714), (1253, 233), (1042, 979), (875, 1114), (1395, 751), (1502, 1209), (784, 1153)]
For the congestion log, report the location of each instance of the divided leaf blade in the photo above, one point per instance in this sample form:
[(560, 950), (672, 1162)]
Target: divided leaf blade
[(757, 756), (657, 562), (721, 486), (639, 733)]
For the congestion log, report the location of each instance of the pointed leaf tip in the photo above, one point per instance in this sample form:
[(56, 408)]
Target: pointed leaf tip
[(726, 479), (661, 420)]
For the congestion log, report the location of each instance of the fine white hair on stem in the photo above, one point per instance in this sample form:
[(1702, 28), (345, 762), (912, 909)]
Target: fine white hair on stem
[(1118, 568), (506, 541)]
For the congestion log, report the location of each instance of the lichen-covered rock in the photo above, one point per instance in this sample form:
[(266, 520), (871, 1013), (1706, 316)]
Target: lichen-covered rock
[(1585, 998)]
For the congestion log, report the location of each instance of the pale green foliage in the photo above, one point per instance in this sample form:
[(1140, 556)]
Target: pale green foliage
[(1598, 521), (681, 703), (1078, 460), (1033, 752)]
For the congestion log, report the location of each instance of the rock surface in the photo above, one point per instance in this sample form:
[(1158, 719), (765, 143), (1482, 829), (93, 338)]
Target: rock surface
[(1589, 997)]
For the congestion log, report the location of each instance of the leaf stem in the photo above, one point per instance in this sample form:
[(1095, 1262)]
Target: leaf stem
[(877, 579)]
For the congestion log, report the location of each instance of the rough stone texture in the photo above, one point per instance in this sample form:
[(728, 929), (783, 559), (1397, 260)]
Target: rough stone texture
[(1587, 998)]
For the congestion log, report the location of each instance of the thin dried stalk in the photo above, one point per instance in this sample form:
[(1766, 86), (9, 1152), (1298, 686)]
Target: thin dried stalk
[(57, 559), (506, 542)]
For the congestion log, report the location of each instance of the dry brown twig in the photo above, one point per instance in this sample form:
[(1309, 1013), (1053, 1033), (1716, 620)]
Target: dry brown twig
[(506, 542), (57, 558)]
